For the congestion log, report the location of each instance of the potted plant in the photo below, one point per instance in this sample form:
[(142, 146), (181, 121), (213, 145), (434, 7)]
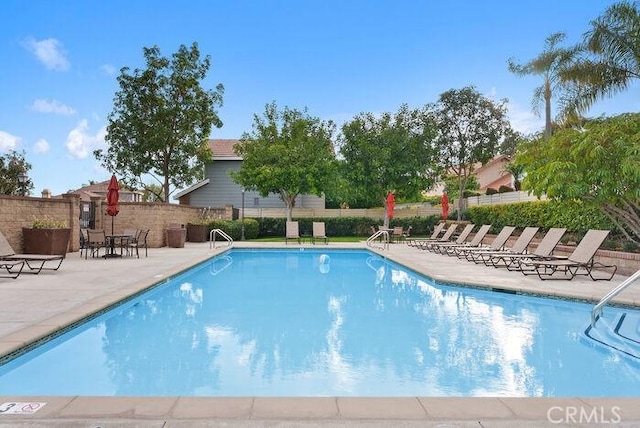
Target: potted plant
[(198, 229), (46, 236)]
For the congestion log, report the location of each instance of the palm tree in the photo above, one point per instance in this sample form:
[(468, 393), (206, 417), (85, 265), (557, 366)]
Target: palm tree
[(611, 60), (548, 64)]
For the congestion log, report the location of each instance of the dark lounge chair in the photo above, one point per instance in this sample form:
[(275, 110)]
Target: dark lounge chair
[(514, 262), (424, 244), (476, 242), (35, 262), (519, 247), (462, 239), (415, 242), (580, 262), (13, 268), (497, 244)]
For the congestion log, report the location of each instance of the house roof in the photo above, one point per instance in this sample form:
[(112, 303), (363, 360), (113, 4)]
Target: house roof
[(100, 190), (191, 188), (223, 149)]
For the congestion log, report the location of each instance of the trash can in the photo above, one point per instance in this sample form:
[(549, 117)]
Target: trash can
[(176, 235)]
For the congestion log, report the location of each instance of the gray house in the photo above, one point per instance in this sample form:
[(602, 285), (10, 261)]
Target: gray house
[(218, 190)]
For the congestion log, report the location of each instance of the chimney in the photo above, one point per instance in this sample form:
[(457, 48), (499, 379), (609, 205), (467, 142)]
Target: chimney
[(46, 193)]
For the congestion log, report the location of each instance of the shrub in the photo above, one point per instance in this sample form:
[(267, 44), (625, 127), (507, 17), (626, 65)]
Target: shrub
[(491, 191), (504, 189)]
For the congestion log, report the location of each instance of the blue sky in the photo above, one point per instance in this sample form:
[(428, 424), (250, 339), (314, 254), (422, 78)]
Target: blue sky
[(60, 61)]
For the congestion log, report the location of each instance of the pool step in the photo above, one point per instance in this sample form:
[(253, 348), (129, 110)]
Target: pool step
[(622, 334)]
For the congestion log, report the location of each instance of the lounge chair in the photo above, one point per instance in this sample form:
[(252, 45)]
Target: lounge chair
[(424, 244), (35, 262), (462, 238), (498, 243), (513, 261), (414, 242), (319, 232), (518, 247), (476, 242), (580, 262), (292, 232), (13, 268)]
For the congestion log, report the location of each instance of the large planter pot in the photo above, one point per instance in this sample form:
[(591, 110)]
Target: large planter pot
[(176, 237), (46, 241), (197, 232)]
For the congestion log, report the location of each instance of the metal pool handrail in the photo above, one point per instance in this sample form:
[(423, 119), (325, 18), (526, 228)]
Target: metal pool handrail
[(597, 309), (376, 235), (212, 237)]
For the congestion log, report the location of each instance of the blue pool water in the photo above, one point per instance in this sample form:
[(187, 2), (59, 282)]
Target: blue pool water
[(332, 323)]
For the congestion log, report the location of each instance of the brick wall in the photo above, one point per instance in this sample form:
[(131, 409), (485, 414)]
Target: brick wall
[(17, 212)]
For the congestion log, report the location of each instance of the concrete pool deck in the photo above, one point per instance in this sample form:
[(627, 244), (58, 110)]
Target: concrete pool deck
[(35, 305)]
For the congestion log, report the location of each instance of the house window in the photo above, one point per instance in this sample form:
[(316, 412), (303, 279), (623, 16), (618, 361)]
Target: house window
[(256, 202)]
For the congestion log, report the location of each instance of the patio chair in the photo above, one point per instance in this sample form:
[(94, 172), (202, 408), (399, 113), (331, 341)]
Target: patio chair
[(514, 262), (424, 244), (96, 240), (83, 241), (292, 232), (397, 233), (518, 247), (462, 238), (35, 263), (319, 232), (580, 262), (476, 242), (414, 242), (140, 241), (127, 237)]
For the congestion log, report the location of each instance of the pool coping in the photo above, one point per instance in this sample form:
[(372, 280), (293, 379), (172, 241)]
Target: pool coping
[(258, 411)]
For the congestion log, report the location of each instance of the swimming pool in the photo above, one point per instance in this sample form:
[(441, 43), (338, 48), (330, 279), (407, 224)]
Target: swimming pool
[(295, 323)]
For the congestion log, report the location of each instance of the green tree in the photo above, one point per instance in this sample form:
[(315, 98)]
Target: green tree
[(12, 166), (161, 121), (471, 128), (288, 153), (389, 153), (153, 193), (549, 65), (598, 164), (611, 59)]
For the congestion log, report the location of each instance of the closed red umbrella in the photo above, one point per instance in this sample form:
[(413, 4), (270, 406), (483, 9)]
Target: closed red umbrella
[(391, 204), (113, 195), (445, 206)]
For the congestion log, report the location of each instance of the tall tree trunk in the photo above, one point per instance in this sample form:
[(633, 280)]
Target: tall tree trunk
[(547, 110)]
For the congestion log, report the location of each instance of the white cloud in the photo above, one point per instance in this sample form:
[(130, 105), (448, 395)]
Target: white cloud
[(80, 143), (524, 121), (41, 146), (8, 141), (53, 106), (49, 52), (108, 69)]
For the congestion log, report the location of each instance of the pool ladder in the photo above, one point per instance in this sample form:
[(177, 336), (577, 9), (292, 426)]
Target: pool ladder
[(212, 238), (379, 234), (597, 309)]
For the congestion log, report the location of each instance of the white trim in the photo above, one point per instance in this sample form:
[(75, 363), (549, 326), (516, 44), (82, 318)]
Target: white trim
[(191, 188)]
